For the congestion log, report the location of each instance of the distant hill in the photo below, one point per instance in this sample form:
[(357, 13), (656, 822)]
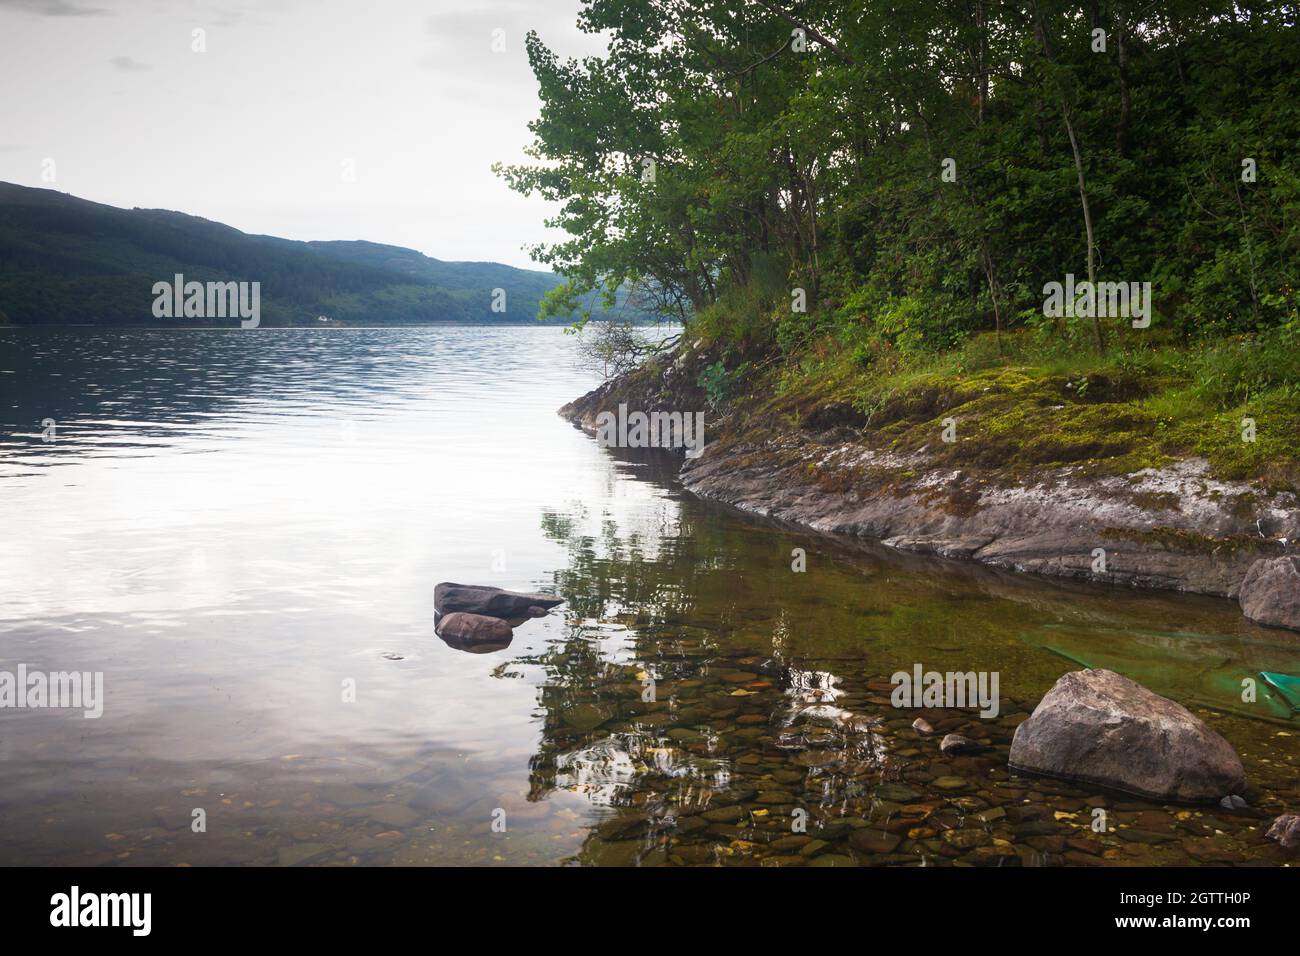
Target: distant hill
[(65, 260)]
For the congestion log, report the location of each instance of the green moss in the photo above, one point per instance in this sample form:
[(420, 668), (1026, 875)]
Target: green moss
[(1176, 539), (1270, 458), (1018, 412), (1024, 413)]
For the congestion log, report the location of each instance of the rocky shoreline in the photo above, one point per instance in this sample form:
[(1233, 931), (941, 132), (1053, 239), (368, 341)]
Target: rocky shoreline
[(1176, 527)]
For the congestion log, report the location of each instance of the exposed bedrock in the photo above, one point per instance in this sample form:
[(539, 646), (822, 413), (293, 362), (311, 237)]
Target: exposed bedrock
[(1176, 527)]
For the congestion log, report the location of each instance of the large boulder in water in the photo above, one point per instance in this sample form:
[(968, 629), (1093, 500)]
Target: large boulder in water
[(462, 628), (449, 598), (1270, 592), (1098, 727)]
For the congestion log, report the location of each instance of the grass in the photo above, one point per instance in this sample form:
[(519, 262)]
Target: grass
[(1023, 405)]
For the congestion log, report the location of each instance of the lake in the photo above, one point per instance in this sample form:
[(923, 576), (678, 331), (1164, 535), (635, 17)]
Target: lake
[(242, 530)]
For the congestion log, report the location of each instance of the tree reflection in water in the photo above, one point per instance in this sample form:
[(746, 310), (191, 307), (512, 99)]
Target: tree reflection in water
[(715, 707)]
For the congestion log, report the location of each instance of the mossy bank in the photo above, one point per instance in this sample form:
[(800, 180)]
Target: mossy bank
[(1074, 474)]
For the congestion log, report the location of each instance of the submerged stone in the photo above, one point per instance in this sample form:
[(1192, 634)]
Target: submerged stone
[(967, 839), (1234, 802), (897, 792), (300, 853), (473, 628), (957, 744), (874, 841), (1286, 830)]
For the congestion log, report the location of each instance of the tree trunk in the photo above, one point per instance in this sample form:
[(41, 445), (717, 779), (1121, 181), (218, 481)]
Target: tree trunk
[(1098, 340), (993, 294), (1125, 104), (981, 60)]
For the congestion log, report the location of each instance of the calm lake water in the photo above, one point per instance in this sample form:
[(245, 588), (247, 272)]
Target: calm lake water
[(238, 527)]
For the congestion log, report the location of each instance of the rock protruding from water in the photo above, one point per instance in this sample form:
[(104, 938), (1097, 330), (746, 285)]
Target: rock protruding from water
[(957, 744), (461, 627), (1270, 592), (1286, 830), (449, 598), (1098, 727)]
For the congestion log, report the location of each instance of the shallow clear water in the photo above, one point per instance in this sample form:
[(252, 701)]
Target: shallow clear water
[(237, 527)]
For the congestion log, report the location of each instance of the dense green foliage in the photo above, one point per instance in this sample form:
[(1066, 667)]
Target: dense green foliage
[(712, 158), (66, 260)]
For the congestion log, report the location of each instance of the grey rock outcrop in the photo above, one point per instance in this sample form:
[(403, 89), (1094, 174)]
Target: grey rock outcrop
[(1270, 592), (1175, 527)]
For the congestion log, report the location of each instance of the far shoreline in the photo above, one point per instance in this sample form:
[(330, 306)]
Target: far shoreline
[(332, 326)]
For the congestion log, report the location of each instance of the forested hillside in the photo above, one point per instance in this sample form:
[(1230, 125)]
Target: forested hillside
[(868, 201), (66, 260)]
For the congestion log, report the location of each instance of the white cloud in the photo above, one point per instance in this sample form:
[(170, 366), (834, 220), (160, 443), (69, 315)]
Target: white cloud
[(53, 8)]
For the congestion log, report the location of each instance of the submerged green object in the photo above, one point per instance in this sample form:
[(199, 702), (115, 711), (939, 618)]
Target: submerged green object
[(1286, 685), (1067, 655)]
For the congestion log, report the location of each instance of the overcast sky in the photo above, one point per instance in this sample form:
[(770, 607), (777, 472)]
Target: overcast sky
[(255, 131)]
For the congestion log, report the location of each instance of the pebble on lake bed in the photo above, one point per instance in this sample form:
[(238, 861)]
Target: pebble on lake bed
[(1286, 830), (957, 744)]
